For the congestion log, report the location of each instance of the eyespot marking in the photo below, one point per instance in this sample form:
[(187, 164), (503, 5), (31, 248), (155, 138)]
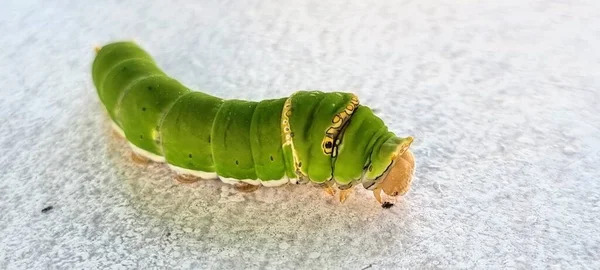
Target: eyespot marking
[(331, 140)]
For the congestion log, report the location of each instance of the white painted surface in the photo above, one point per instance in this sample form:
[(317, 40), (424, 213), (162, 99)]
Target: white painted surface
[(501, 96)]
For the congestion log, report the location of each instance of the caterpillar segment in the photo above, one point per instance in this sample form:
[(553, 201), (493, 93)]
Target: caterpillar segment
[(324, 138)]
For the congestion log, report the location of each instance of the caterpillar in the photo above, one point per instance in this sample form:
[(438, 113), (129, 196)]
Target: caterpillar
[(324, 138)]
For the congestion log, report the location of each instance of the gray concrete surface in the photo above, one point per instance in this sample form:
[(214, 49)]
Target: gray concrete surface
[(502, 97)]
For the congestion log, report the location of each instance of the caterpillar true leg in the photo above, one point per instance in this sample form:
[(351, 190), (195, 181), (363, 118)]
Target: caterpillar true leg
[(330, 190), (245, 187), (345, 194)]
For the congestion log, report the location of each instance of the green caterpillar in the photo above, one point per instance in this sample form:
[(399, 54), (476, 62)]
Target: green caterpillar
[(326, 138)]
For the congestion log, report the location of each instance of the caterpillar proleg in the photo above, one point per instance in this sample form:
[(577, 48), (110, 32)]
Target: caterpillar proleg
[(324, 138)]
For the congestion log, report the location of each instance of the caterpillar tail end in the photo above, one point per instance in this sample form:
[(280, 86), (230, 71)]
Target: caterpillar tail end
[(399, 178)]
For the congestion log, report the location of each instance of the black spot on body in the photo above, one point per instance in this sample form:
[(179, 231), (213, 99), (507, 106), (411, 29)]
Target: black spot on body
[(299, 164), (141, 136), (143, 108), (237, 162), (208, 138), (190, 155), (271, 158), (328, 145), (149, 88)]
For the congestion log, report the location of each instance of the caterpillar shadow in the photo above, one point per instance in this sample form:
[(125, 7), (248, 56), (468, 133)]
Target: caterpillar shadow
[(211, 211)]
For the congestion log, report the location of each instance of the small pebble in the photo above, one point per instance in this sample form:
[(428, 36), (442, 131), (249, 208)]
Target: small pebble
[(284, 246), (532, 219), (314, 255), (525, 140), (569, 150), (438, 187)]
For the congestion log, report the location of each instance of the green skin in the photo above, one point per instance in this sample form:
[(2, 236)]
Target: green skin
[(236, 139)]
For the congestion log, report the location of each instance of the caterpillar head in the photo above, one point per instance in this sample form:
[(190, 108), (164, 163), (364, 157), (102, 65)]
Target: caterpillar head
[(398, 172)]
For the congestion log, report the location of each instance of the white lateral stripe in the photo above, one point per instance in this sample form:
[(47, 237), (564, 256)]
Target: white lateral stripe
[(251, 181), (275, 183), (118, 129), (201, 174), (256, 182), (146, 154), (230, 181)]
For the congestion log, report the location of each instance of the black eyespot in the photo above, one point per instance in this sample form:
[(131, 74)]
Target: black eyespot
[(143, 108), (328, 145), (190, 155), (387, 205)]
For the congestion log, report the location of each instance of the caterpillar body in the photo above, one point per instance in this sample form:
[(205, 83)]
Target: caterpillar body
[(325, 138)]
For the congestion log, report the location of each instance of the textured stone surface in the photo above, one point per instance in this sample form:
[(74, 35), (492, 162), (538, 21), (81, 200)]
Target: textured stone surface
[(502, 96)]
